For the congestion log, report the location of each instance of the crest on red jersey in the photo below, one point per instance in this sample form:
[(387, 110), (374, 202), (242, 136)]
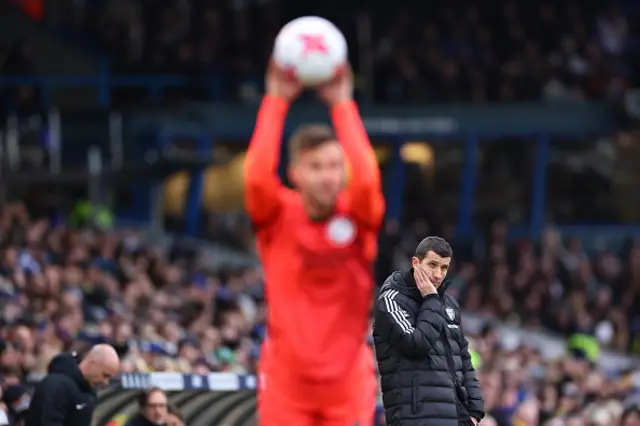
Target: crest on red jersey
[(341, 231)]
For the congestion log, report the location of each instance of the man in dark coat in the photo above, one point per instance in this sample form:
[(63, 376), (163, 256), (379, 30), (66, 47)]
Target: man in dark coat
[(66, 396), (423, 356)]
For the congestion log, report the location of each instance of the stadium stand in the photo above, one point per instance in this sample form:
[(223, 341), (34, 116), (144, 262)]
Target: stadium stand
[(519, 51), (539, 199)]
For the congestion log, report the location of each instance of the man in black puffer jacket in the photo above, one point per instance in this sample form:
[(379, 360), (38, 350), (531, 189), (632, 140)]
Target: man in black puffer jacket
[(423, 357)]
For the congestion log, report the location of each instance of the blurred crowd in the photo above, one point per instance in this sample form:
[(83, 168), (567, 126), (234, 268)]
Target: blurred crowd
[(65, 288), (502, 50), (521, 388)]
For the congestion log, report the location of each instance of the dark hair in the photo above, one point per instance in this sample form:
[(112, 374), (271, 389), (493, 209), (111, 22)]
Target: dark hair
[(143, 397), (310, 137), (435, 244)]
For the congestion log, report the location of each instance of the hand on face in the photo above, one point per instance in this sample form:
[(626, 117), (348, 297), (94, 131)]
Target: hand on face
[(423, 282)]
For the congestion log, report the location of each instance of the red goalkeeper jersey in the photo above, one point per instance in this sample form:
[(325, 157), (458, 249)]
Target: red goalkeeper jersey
[(319, 277)]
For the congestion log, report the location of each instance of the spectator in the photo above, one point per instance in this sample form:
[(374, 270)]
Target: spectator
[(154, 407)]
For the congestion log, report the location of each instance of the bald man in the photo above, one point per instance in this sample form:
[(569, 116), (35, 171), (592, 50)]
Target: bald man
[(67, 395)]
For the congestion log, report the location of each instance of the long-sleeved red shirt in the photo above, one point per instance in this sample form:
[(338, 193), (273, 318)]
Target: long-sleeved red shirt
[(319, 278)]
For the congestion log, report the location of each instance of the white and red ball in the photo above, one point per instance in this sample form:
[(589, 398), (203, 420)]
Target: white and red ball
[(312, 49)]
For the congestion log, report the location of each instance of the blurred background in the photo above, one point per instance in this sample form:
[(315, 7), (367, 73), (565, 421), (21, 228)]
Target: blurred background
[(508, 127)]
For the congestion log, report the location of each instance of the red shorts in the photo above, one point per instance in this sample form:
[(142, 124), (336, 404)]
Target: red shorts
[(284, 399)]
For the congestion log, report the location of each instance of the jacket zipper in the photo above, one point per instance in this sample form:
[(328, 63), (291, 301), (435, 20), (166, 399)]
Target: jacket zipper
[(450, 362)]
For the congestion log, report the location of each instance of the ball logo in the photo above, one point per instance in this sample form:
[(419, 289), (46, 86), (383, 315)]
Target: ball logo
[(314, 43), (341, 231), (312, 49)]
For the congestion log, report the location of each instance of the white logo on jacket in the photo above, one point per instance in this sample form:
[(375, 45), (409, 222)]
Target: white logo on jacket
[(451, 313)]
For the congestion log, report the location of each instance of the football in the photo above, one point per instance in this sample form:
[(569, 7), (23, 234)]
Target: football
[(311, 49)]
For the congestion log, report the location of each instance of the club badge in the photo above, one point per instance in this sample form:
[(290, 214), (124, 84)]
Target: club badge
[(341, 231), (451, 313)]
